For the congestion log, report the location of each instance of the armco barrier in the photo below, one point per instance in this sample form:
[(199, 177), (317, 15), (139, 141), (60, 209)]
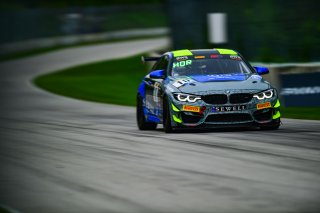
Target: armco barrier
[(298, 83), (300, 89)]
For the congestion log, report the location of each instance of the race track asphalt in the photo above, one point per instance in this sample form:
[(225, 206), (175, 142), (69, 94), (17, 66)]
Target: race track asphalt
[(59, 154)]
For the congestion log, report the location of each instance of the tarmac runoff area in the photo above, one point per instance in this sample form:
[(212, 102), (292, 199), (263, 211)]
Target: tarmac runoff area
[(59, 154)]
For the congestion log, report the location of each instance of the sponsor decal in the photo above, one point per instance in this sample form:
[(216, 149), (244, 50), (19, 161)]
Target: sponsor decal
[(156, 89), (182, 82), (226, 77), (235, 57), (182, 63), (264, 105), (228, 108), (181, 58), (177, 84), (191, 108)]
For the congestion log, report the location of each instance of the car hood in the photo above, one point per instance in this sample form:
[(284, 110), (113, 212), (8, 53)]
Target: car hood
[(204, 83)]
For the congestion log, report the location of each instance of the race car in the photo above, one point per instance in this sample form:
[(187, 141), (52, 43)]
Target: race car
[(205, 89)]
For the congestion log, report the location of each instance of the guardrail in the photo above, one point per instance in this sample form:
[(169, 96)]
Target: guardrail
[(298, 83)]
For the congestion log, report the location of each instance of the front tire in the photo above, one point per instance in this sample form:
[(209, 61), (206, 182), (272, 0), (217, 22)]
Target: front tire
[(166, 117), (142, 123)]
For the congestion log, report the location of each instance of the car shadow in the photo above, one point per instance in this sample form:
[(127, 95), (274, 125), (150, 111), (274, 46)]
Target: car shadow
[(211, 130)]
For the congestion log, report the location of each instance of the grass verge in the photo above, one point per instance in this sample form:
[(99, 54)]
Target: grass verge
[(311, 113), (113, 81), (117, 82)]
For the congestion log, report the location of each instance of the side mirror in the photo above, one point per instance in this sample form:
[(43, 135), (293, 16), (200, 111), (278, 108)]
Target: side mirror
[(261, 70), (157, 74)]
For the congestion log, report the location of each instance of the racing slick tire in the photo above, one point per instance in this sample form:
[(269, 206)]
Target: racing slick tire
[(166, 117), (141, 120)]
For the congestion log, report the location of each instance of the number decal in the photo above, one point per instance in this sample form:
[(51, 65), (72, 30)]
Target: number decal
[(156, 92)]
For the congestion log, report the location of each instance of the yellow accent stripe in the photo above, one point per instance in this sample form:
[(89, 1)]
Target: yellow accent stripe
[(200, 56), (175, 108), (277, 104), (178, 53), (176, 119), (277, 115), (227, 52)]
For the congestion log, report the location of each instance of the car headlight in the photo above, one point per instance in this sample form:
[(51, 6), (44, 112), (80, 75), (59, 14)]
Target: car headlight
[(265, 94), (186, 97)]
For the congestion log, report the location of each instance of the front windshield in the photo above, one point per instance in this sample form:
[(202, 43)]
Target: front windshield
[(209, 65)]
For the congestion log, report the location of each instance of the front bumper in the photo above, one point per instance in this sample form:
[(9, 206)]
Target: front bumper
[(201, 114)]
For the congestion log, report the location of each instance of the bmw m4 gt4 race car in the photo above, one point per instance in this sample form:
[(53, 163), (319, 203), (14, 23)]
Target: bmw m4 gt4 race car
[(204, 89)]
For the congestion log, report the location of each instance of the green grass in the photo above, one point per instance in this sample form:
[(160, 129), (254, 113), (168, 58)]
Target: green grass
[(312, 113), (117, 82), (4, 210), (114, 81)]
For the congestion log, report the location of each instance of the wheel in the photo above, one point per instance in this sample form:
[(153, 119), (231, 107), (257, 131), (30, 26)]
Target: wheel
[(141, 120), (274, 125), (166, 117)]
